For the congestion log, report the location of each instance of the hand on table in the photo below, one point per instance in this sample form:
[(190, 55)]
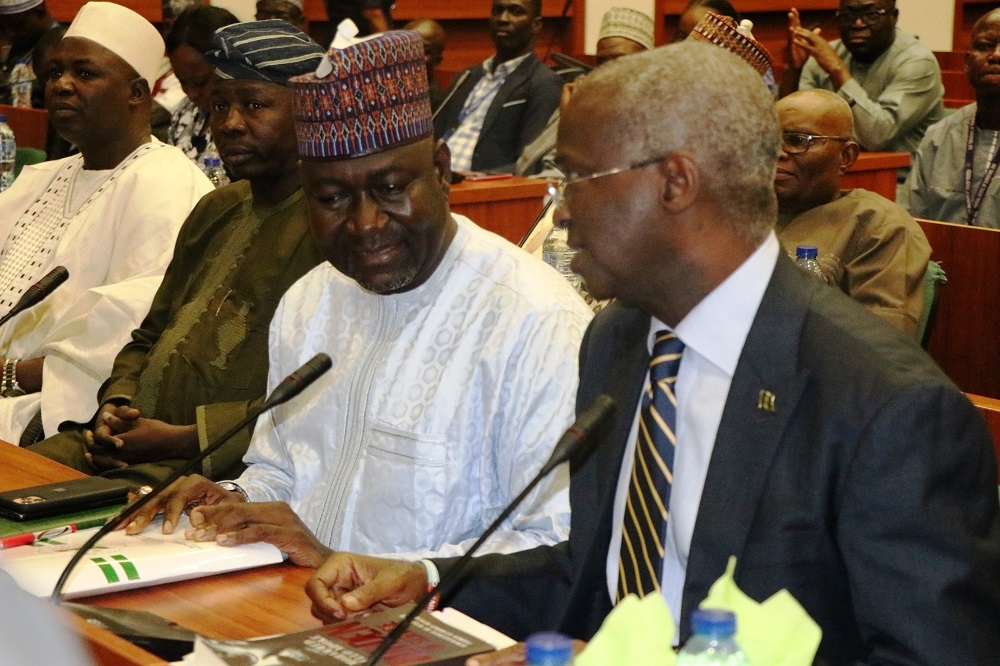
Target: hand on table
[(236, 523), (122, 437), (183, 494), (348, 584)]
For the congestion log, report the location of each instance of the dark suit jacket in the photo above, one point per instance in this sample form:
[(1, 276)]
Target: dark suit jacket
[(517, 115), (870, 493)]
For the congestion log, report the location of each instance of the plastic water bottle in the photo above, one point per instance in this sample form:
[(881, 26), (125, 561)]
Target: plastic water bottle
[(805, 258), (548, 649), (712, 643), (8, 154), (558, 254), (215, 172)]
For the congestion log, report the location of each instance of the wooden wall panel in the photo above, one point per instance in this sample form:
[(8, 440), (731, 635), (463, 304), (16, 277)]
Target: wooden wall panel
[(65, 10), (966, 337)]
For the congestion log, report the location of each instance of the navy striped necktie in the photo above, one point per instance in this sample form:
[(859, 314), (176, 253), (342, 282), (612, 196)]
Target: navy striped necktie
[(640, 564)]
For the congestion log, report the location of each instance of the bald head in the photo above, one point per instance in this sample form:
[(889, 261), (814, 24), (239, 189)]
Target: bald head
[(982, 63), (434, 37), (987, 19), (817, 149), (823, 108)]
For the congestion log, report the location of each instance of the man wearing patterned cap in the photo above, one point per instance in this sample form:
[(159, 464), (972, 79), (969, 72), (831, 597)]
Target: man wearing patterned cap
[(110, 215), (623, 32), (198, 363), (453, 351)]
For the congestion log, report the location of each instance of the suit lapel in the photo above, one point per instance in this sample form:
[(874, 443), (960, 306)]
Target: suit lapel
[(616, 365), (510, 86), (749, 433)]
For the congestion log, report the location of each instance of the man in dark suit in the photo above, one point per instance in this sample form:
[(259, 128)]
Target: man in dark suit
[(811, 440), (496, 108)]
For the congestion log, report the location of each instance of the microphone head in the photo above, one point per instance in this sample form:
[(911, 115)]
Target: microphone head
[(299, 380), (582, 437), (56, 276), (312, 369)]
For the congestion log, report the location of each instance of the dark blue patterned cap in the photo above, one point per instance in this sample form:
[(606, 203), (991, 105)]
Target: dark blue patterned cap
[(271, 50), (367, 97)]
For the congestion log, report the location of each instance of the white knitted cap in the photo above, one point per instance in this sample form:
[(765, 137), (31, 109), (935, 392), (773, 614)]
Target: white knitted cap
[(123, 32), (628, 23)]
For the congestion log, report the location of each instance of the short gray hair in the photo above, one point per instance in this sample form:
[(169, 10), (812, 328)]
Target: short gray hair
[(709, 103)]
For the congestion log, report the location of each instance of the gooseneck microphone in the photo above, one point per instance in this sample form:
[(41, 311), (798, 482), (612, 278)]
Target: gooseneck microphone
[(289, 387), (451, 93), (577, 442), (37, 292)]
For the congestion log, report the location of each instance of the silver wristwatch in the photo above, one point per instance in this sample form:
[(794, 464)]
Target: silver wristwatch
[(234, 488), (9, 388)]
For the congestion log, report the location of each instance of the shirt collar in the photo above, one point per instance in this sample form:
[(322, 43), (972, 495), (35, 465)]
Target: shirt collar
[(717, 327), (505, 68)]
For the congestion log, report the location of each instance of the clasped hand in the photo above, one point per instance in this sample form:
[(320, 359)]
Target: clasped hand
[(123, 437), (226, 518)]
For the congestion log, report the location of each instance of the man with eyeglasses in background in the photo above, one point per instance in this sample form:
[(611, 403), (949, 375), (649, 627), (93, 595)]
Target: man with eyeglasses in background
[(891, 81), (870, 248)]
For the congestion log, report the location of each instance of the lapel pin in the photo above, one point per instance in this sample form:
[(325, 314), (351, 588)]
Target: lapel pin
[(765, 401)]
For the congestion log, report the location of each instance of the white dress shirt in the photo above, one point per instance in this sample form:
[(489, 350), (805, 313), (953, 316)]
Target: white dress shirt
[(713, 334)]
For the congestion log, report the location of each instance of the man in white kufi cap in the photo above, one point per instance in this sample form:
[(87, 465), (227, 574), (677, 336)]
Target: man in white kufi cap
[(110, 215)]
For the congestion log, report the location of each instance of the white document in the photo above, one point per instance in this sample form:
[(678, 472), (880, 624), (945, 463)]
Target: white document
[(122, 562)]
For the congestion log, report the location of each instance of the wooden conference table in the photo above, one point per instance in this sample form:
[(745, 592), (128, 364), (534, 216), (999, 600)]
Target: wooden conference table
[(243, 604)]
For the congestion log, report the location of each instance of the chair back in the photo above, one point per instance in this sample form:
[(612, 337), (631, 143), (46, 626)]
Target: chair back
[(26, 156), (934, 277)]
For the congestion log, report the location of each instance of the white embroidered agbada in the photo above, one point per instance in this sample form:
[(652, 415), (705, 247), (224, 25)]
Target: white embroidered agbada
[(116, 243), (442, 403)]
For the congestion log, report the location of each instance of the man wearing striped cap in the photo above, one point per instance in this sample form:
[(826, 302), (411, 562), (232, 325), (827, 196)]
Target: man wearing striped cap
[(22, 25), (198, 362), (453, 352)]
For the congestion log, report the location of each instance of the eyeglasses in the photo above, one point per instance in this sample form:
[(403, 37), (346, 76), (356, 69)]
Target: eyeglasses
[(795, 143), (558, 190), (867, 16)]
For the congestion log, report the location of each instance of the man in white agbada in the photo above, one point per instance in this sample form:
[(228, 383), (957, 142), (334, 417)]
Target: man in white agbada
[(454, 353), (110, 215)]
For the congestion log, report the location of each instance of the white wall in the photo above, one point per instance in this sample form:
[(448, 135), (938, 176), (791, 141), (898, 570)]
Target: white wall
[(931, 20), (595, 11)]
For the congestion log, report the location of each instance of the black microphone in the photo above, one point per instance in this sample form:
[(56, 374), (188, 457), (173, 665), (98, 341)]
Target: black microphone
[(290, 387), (578, 442), (37, 292), (451, 93)]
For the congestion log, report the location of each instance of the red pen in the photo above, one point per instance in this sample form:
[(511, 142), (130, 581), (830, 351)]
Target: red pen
[(29, 538)]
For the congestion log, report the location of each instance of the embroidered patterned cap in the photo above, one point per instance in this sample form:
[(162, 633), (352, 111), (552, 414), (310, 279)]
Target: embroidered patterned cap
[(628, 23), (367, 96), (18, 6), (123, 32), (271, 50), (722, 31)]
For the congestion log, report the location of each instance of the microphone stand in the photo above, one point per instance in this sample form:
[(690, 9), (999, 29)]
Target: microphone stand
[(292, 385), (581, 435)]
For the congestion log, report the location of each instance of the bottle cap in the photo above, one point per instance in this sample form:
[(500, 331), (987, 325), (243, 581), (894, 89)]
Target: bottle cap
[(806, 252), (213, 162), (713, 623), (3, 117), (548, 649)]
